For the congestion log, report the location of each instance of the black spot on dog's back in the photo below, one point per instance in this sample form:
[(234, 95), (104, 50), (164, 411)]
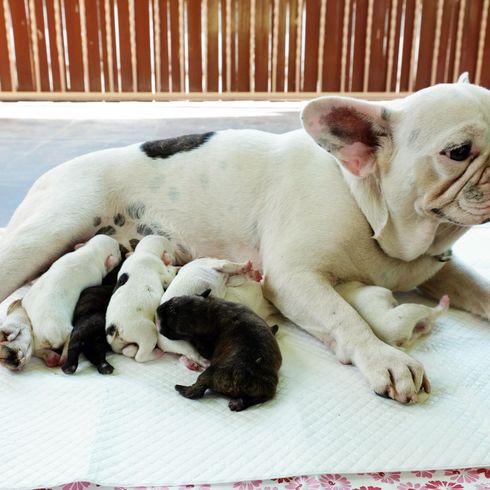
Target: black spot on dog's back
[(134, 243), (171, 146), (106, 230), (144, 230), (119, 219), (136, 210), (110, 330)]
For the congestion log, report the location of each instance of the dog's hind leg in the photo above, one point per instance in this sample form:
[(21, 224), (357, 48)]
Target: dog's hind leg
[(74, 350), (197, 390), (95, 351)]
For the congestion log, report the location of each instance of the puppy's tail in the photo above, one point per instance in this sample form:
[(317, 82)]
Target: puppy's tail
[(274, 329)]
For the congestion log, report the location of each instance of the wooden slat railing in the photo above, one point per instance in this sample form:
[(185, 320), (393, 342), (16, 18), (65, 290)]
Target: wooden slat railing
[(235, 49)]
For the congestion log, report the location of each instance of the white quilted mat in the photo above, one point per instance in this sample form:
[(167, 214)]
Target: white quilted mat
[(133, 429)]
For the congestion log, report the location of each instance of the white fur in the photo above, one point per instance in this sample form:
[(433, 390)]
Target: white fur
[(229, 280), (132, 307), (309, 207), (396, 324), (52, 299)]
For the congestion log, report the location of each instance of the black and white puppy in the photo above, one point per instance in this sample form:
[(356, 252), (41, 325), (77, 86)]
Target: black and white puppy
[(244, 354)]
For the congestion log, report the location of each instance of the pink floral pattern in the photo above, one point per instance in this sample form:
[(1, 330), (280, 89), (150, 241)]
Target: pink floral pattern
[(79, 485), (335, 482), (247, 485), (303, 483), (453, 479), (386, 477)]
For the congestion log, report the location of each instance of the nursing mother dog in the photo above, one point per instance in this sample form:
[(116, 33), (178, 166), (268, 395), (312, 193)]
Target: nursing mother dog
[(373, 192)]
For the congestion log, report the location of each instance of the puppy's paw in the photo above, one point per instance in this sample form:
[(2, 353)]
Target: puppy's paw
[(194, 365), (130, 350), (105, 368), (190, 364), (15, 346), (236, 405), (393, 374), (69, 368)]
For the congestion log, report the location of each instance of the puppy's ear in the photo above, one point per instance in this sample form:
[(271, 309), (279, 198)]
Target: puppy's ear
[(110, 262), (352, 130), (464, 78), (167, 258), (206, 293)]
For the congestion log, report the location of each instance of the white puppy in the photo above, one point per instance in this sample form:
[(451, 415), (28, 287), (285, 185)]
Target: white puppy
[(139, 287), (396, 324), (232, 281), (52, 299)]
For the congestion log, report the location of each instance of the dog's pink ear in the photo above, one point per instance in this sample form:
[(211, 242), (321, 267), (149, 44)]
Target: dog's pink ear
[(352, 130), (110, 262), (167, 258)]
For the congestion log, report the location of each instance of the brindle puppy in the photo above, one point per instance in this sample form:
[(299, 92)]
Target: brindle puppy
[(245, 357)]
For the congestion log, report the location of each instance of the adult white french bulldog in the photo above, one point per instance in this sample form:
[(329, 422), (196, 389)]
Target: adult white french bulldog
[(369, 191)]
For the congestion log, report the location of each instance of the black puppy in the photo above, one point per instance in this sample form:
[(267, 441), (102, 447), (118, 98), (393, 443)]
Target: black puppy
[(245, 357), (88, 334)]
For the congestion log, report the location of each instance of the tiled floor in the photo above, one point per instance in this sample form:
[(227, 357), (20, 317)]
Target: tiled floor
[(35, 137)]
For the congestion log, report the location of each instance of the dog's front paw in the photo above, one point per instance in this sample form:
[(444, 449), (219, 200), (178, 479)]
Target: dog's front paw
[(393, 374)]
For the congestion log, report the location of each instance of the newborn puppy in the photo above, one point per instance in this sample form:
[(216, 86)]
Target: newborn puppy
[(245, 357), (396, 324), (131, 312), (88, 335), (51, 301), (232, 281)]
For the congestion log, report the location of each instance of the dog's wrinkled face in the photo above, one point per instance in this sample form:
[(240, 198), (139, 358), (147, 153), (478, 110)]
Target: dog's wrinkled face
[(416, 162), (447, 129)]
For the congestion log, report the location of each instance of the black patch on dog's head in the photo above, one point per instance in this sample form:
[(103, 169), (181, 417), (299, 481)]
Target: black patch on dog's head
[(119, 219), (136, 210), (122, 280), (134, 243), (144, 230), (171, 146), (106, 230), (110, 330)]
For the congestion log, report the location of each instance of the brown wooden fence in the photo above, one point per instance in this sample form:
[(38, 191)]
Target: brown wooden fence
[(234, 49)]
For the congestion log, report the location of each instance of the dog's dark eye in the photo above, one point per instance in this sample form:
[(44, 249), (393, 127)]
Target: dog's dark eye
[(459, 153)]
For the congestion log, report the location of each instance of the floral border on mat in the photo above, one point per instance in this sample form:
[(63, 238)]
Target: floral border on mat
[(474, 478)]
